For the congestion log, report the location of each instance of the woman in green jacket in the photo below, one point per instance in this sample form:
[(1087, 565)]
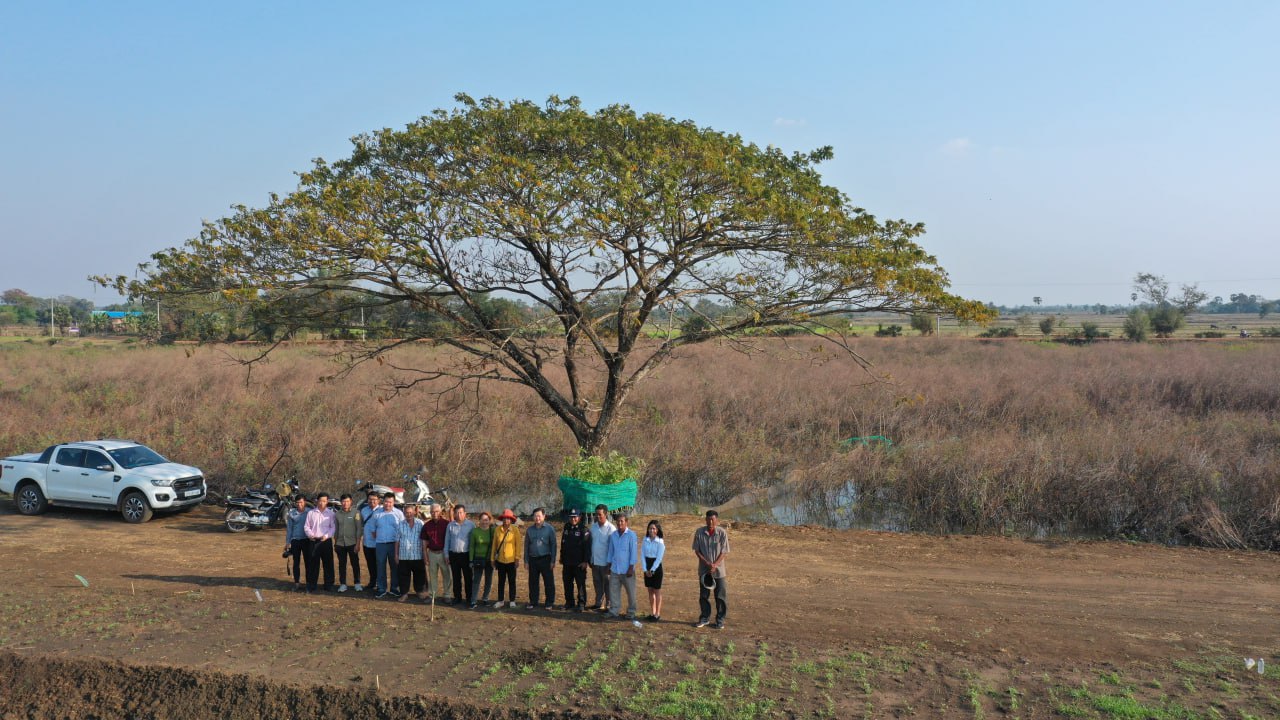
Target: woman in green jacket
[(481, 541)]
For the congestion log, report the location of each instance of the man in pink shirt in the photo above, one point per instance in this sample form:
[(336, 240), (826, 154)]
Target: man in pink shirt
[(320, 527)]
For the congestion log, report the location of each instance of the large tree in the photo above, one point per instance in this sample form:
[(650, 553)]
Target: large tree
[(598, 223)]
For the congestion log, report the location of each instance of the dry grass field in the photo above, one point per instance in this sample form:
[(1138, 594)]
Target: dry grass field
[(1164, 442)]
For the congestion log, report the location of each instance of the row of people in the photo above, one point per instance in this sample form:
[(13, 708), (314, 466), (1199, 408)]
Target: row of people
[(455, 560)]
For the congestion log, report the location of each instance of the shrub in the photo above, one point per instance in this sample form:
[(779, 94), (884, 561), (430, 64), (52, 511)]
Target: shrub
[(923, 323), (603, 470), (1046, 325), (891, 331), (999, 332), (1137, 325)]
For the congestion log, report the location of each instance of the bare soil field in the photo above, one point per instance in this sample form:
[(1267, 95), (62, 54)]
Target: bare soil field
[(822, 623)]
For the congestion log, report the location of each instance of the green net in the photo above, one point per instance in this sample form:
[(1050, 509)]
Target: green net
[(586, 496)]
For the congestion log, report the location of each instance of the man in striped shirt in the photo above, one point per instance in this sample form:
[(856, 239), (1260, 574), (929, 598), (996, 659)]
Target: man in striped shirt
[(409, 554)]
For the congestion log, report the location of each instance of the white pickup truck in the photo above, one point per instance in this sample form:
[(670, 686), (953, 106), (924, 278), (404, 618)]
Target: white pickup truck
[(104, 474)]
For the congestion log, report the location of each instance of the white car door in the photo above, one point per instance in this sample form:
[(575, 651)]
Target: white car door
[(98, 478), (62, 478)]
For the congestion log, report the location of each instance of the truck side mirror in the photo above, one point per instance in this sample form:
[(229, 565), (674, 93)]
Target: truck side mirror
[(105, 468)]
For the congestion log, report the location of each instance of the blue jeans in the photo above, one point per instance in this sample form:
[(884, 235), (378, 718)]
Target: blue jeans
[(388, 577)]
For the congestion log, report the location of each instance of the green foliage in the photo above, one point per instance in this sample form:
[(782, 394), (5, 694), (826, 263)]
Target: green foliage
[(1090, 331), (1046, 325), (999, 332), (923, 323), (891, 331), (1137, 325), (603, 470), (590, 225)]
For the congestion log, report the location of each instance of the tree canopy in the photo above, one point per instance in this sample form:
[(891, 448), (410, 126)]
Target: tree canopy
[(540, 236)]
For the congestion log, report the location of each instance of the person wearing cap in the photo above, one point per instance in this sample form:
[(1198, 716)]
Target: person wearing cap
[(575, 558), (601, 529), (540, 556), (295, 537), (624, 553), (373, 503), (508, 548), (481, 549), (711, 545), (457, 548), (346, 541), (439, 582), (320, 527)]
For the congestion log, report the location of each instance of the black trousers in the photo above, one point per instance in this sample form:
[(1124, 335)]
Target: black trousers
[(371, 562), (486, 570), (574, 577), (415, 570), (345, 553), (704, 600), (298, 549), (540, 568), (460, 568), (319, 553), (506, 579)]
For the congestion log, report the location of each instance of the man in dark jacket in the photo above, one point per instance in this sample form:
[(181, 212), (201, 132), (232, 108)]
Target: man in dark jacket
[(575, 558)]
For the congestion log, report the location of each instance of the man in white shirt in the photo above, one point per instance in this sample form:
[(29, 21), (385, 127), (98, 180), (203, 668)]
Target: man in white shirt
[(601, 529)]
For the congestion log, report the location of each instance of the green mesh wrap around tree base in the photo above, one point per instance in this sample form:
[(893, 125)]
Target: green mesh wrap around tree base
[(585, 496)]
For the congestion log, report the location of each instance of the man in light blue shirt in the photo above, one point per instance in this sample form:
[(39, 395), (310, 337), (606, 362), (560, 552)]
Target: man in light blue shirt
[(624, 553), (457, 555), (386, 530)]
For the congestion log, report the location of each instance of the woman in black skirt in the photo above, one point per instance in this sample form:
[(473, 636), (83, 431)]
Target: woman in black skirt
[(652, 550)]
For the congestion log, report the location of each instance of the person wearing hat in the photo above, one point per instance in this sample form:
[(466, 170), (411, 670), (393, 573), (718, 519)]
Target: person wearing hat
[(575, 558), (711, 545), (507, 549), (624, 553)]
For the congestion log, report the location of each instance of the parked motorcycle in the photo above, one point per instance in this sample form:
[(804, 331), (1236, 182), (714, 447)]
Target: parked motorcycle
[(260, 507), (414, 492)]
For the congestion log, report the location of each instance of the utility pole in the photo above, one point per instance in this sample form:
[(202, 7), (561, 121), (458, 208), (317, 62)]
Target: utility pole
[(50, 317)]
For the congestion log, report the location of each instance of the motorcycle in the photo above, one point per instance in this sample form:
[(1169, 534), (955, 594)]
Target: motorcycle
[(260, 507), (415, 492)]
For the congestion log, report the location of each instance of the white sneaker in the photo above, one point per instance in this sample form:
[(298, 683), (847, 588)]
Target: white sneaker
[(359, 588), (342, 588), (498, 604)]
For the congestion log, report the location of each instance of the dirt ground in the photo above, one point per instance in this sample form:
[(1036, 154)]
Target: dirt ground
[(821, 624)]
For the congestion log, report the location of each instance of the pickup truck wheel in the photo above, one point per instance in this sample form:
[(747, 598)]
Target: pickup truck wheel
[(134, 508), (30, 500), (237, 520)]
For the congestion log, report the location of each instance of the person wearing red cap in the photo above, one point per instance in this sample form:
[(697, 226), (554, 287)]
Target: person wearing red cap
[(506, 552)]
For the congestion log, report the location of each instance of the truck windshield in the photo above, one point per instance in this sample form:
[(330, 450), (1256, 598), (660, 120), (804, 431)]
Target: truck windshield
[(136, 456)]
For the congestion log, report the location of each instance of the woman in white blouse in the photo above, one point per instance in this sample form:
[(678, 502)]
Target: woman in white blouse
[(652, 550)]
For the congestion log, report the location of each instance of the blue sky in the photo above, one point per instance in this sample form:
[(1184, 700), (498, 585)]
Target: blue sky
[(1052, 149)]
